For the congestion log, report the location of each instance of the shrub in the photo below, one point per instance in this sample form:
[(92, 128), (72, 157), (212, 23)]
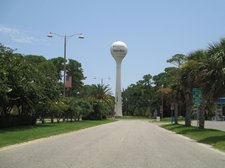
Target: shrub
[(12, 121)]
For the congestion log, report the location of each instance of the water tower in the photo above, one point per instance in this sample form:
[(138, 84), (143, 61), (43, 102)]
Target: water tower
[(118, 51)]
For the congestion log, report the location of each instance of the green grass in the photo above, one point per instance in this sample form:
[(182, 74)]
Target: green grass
[(213, 137), (27, 133)]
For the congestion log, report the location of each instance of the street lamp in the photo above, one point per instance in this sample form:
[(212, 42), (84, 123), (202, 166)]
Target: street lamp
[(102, 80), (161, 108), (50, 35)]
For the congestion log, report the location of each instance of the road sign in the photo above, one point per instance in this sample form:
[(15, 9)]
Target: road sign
[(196, 96)]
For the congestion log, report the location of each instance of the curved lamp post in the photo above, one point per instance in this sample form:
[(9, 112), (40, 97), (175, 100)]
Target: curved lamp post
[(102, 79), (50, 35)]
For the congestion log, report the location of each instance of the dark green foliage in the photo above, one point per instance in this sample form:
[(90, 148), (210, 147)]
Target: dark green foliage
[(137, 98), (203, 69), (58, 62), (13, 121), (30, 86), (101, 100)]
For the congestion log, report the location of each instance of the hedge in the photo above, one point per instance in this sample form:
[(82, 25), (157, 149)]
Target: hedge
[(12, 121)]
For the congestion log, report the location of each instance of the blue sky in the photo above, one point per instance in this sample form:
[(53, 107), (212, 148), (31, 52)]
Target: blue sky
[(154, 30)]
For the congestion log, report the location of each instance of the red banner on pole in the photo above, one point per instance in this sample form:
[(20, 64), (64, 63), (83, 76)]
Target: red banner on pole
[(68, 82)]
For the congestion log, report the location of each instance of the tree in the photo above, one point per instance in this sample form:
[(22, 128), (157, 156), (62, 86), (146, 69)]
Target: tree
[(177, 91), (20, 79), (75, 70), (177, 59), (186, 78), (101, 100), (199, 57), (214, 71), (58, 62), (163, 90), (48, 77), (137, 97), (190, 78), (213, 75), (102, 94), (25, 82), (85, 108), (35, 59)]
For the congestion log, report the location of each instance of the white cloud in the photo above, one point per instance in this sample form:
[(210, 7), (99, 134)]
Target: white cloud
[(7, 30), (17, 35)]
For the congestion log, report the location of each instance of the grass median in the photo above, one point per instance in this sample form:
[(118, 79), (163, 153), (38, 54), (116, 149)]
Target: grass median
[(213, 137), (27, 133)]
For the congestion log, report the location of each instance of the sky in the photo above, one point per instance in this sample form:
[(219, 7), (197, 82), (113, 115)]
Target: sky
[(154, 31)]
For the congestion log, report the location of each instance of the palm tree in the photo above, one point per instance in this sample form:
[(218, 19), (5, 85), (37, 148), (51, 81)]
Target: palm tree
[(177, 99), (205, 70), (102, 93), (177, 95), (188, 79), (213, 72), (200, 57)]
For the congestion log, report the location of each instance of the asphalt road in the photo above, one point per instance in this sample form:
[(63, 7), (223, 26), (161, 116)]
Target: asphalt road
[(122, 144), (219, 125)]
